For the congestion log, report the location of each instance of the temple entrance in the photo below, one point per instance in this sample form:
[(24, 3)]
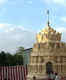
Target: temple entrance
[(49, 67)]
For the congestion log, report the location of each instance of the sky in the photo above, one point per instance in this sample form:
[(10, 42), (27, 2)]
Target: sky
[(21, 20)]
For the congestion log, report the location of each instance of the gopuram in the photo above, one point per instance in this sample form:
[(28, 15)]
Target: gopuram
[(48, 55)]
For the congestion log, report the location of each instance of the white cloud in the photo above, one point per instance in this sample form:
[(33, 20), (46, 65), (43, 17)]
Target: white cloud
[(3, 2), (61, 2), (63, 31), (63, 19), (12, 36)]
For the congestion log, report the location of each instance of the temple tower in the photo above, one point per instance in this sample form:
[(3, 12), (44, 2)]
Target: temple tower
[(48, 55)]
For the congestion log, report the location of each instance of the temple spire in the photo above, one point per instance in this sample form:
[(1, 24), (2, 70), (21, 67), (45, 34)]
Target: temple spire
[(48, 17)]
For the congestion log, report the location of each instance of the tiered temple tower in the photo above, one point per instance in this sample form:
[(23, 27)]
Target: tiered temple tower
[(48, 55)]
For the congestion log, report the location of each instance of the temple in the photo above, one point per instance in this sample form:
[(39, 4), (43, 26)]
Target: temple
[(48, 55)]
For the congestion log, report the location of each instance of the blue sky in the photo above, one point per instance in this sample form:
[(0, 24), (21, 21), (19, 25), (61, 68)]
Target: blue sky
[(20, 20), (32, 13)]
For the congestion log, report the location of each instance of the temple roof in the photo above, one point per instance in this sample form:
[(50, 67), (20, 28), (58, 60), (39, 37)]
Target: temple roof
[(48, 34), (48, 29)]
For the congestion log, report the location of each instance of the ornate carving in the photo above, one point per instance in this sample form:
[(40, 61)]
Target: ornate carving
[(48, 34)]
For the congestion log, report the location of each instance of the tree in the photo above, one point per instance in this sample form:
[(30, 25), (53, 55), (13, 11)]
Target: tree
[(18, 59), (20, 55), (2, 58), (12, 60), (20, 50)]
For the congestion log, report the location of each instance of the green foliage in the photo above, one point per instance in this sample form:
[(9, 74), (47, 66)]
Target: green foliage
[(18, 59), (20, 55), (2, 58), (7, 59), (20, 50)]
